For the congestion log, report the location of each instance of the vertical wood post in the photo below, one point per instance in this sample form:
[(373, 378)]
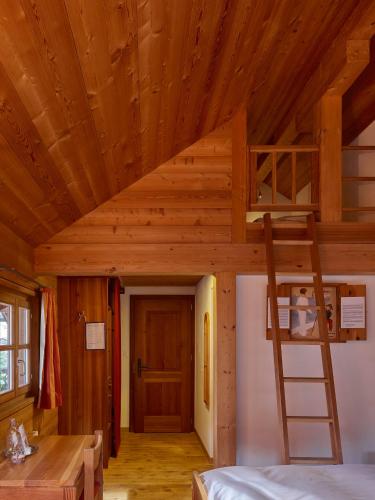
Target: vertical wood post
[(240, 187), (225, 371), (329, 136)]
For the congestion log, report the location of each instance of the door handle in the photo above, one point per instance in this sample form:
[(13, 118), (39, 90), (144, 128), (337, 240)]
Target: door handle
[(141, 367)]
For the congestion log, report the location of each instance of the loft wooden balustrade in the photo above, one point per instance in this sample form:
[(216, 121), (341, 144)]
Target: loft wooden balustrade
[(277, 156), (358, 178)]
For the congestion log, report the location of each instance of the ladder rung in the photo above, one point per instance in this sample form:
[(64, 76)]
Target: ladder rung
[(294, 273), (293, 242), (303, 342), (311, 380), (311, 420), (300, 308), (313, 460)]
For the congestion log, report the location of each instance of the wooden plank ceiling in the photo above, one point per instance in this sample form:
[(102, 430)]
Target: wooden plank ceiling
[(94, 95)]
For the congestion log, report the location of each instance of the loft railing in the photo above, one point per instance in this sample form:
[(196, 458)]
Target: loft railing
[(265, 160), (358, 178)]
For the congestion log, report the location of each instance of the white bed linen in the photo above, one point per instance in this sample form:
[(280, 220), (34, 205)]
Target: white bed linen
[(291, 482)]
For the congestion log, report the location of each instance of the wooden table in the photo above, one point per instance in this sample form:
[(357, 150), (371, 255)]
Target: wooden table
[(54, 472)]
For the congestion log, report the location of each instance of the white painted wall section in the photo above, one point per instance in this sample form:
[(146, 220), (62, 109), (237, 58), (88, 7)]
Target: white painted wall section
[(354, 370)]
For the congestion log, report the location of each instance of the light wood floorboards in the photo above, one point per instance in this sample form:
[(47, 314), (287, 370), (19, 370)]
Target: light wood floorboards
[(154, 466)]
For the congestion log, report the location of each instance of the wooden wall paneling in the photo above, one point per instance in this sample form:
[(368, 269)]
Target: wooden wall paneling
[(175, 199), (114, 215), (84, 372), (240, 176), (204, 181), (15, 252), (225, 371), (329, 137), (191, 258), (143, 234)]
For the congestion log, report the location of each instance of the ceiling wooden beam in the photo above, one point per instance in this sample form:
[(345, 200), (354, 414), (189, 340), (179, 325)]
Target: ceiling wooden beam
[(120, 259)]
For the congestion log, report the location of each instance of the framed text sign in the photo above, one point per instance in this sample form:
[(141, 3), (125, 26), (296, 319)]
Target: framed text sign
[(95, 336)]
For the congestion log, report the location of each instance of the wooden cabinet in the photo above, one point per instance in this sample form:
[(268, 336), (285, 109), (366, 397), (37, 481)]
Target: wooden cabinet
[(86, 374)]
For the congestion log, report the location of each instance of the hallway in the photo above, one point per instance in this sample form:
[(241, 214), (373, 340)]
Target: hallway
[(154, 466)]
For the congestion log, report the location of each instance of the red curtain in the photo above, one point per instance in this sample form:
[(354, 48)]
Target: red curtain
[(50, 395), (116, 367)]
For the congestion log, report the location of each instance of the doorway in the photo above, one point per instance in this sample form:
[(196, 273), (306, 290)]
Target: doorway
[(161, 363)]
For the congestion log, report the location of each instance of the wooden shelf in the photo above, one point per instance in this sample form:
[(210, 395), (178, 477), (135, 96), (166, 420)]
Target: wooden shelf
[(358, 179), (358, 148), (278, 148), (287, 207)]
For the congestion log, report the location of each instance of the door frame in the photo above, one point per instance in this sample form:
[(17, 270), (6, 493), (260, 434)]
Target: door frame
[(132, 360)]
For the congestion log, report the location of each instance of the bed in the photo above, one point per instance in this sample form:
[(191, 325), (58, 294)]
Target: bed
[(289, 482)]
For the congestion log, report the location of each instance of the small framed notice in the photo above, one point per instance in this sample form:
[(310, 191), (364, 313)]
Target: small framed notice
[(95, 336), (284, 314), (353, 313)]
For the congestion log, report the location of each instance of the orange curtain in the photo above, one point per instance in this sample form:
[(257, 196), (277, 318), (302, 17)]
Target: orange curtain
[(50, 395)]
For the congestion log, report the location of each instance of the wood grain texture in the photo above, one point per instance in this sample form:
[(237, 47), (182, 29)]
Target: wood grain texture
[(204, 258), (225, 376), (94, 96), (187, 199), (161, 340), (83, 372), (240, 184), (154, 466), (329, 137)]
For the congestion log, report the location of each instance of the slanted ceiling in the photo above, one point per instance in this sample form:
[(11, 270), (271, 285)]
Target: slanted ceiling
[(95, 94)]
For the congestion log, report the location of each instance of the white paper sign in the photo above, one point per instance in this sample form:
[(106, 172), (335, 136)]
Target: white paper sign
[(284, 314), (353, 312), (95, 335)]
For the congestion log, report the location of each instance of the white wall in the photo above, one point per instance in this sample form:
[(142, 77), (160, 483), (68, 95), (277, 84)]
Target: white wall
[(125, 335), (360, 163), (354, 368), (203, 416)]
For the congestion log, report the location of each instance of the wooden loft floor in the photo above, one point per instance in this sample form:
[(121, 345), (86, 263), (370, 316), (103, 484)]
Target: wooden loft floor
[(154, 467)]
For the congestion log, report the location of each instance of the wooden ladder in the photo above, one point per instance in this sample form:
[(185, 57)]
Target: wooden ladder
[(332, 417)]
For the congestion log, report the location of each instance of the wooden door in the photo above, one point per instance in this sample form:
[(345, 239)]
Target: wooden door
[(162, 362)]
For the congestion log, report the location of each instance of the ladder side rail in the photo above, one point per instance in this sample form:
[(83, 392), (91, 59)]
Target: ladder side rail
[(325, 347), (276, 340)]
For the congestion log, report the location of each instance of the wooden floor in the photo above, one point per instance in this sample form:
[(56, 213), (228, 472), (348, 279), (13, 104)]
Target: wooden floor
[(154, 466)]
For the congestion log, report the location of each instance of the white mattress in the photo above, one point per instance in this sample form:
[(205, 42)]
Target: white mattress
[(291, 482)]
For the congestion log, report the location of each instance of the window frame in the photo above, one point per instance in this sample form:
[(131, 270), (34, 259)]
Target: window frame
[(17, 301)]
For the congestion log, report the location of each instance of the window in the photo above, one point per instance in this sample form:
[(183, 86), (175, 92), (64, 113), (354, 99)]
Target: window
[(15, 354)]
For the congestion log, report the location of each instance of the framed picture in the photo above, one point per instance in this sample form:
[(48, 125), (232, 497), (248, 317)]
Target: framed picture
[(95, 333), (304, 323)]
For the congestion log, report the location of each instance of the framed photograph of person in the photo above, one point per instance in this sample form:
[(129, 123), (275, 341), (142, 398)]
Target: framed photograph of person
[(304, 323)]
